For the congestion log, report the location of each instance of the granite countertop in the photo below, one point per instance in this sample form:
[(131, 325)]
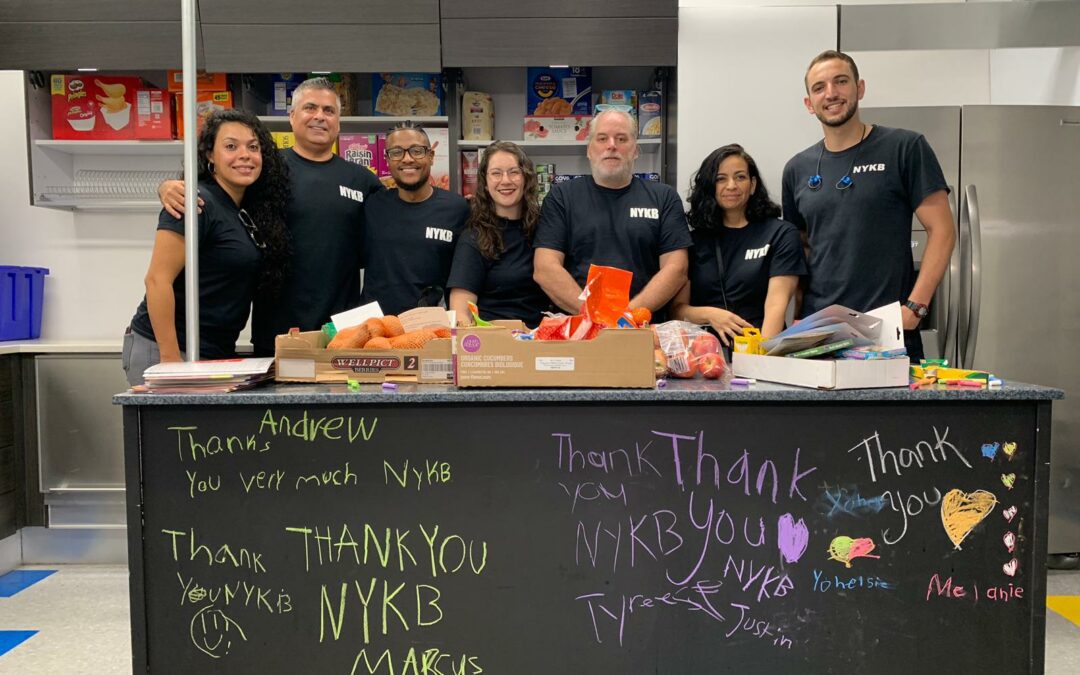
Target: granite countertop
[(675, 390), (61, 347)]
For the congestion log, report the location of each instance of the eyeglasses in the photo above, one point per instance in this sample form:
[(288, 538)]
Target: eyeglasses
[(512, 174), (415, 151), (252, 229)]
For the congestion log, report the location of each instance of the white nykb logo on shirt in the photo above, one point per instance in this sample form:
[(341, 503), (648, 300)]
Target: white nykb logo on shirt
[(754, 253), (355, 195), (863, 168), (637, 212), (439, 233)]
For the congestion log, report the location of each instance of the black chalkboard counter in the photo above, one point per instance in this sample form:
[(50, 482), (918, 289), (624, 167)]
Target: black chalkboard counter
[(693, 529)]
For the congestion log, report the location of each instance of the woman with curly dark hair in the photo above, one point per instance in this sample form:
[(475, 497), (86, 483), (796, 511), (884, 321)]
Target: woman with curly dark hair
[(493, 261), (243, 247), (745, 263)]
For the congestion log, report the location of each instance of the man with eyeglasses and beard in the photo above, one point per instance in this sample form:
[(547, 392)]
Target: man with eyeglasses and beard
[(852, 196), (615, 219), (411, 232), (325, 219)]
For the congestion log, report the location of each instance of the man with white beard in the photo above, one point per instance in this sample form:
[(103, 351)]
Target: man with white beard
[(612, 218)]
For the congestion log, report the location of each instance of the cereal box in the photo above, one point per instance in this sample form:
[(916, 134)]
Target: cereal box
[(205, 103), (384, 166), (407, 94), (559, 91), (284, 84), (619, 99), (94, 107), (470, 164), (203, 81), (153, 115), (362, 149), (440, 167), (573, 128), (283, 139), (649, 110)]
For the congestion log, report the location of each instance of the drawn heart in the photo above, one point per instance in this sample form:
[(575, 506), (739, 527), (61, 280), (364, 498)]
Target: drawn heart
[(845, 549), (1010, 541), (989, 450), (1010, 567), (1008, 479), (962, 511), (792, 538), (1009, 513), (1009, 449)]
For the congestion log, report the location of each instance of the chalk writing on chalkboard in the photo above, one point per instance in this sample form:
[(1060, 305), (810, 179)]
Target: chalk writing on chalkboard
[(212, 632)]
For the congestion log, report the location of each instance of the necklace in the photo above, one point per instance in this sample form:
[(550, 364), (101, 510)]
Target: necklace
[(845, 181)]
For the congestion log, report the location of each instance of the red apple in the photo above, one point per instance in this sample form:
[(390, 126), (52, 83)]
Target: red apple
[(705, 343), (711, 366), (681, 365)]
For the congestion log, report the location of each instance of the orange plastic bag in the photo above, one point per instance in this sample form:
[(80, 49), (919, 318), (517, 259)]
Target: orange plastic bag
[(607, 295)]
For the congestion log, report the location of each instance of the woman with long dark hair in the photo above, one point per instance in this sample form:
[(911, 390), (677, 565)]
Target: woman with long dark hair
[(493, 261), (745, 263), (243, 247)]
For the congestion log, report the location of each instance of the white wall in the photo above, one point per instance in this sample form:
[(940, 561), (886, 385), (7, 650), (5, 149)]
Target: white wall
[(96, 260)]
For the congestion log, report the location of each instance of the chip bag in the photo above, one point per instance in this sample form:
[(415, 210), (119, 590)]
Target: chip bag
[(607, 295)]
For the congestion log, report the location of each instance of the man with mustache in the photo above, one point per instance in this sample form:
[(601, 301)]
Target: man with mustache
[(852, 196), (411, 231), (612, 218), (325, 219)]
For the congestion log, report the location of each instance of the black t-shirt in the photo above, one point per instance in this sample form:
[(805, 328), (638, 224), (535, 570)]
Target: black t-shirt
[(229, 266), (504, 287), (409, 247), (629, 228), (752, 255), (326, 220), (860, 237)]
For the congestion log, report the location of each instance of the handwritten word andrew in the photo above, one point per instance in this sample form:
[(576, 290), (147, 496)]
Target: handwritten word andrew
[(448, 553), (221, 555), (881, 462), (310, 428), (426, 662), (189, 447), (607, 461), (767, 481)]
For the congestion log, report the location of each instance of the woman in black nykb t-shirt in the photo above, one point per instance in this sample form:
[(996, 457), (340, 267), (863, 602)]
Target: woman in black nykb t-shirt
[(746, 263), (493, 262), (243, 247)]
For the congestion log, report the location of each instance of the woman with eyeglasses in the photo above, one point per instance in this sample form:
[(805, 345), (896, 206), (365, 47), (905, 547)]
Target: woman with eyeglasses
[(746, 262), (493, 262), (243, 247)]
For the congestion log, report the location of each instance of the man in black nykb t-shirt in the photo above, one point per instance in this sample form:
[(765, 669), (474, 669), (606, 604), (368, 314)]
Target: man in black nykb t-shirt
[(612, 218)]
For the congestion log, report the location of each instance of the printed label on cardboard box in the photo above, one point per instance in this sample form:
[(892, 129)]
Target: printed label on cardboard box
[(549, 363), (94, 107)]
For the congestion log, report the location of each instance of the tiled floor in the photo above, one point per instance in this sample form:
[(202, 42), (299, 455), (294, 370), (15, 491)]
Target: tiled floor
[(81, 615)]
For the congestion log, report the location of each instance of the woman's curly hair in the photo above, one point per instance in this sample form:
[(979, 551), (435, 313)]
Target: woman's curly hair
[(266, 200), (705, 213), (486, 226)]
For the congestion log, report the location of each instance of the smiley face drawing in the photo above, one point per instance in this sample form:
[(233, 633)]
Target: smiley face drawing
[(212, 632)]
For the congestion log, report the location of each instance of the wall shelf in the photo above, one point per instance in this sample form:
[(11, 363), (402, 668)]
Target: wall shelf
[(558, 147), (382, 122), (143, 148)]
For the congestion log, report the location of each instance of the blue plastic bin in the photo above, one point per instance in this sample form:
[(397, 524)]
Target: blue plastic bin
[(21, 293)]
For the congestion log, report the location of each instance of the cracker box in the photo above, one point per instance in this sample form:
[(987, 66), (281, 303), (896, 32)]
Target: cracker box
[(362, 149), (649, 111), (303, 357), (283, 85), (491, 357), (574, 128), (203, 81), (206, 102), (407, 94), (470, 164), (93, 106), (153, 115), (559, 91)]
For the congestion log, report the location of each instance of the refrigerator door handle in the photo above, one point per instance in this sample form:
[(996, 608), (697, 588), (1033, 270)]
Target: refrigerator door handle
[(975, 242), (962, 255), (950, 292)]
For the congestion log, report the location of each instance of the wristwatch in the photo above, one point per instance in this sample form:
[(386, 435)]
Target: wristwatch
[(918, 308)]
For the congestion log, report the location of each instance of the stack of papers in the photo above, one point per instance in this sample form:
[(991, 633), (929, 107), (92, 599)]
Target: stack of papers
[(836, 327), (206, 377)]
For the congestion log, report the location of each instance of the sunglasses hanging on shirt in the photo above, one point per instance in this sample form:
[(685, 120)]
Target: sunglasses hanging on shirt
[(845, 181)]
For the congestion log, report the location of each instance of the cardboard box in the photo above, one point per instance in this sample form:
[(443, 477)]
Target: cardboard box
[(154, 115), (203, 81), (283, 85), (303, 357), (559, 91), (539, 128), (650, 123), (823, 373), (362, 149), (287, 139), (470, 164), (407, 94), (491, 357), (206, 102), (93, 107)]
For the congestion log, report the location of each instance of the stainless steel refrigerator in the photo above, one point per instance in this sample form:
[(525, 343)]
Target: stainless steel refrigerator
[(1010, 302)]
